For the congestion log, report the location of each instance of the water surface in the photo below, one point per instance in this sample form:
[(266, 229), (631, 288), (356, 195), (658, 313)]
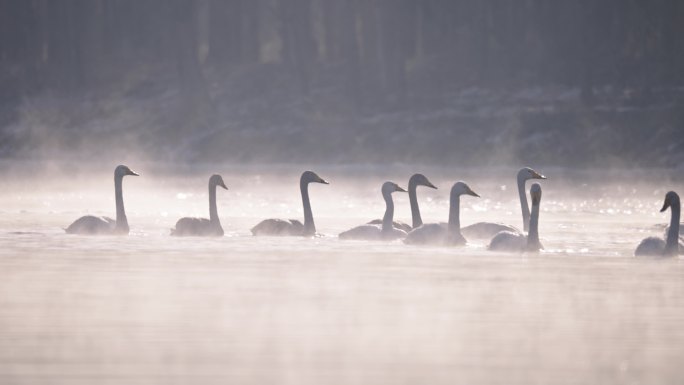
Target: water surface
[(153, 309)]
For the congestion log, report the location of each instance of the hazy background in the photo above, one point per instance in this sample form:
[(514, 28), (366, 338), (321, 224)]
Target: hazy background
[(591, 93), (436, 82)]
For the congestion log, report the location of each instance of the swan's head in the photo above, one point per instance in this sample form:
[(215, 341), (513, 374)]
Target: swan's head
[(527, 173), (671, 198), (461, 188), (216, 180), (310, 176), (535, 193), (390, 187), (420, 180), (122, 171)]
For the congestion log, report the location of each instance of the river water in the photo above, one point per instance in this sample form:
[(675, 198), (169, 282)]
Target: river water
[(153, 309)]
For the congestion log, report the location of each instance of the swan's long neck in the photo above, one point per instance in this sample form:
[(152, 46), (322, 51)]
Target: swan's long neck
[(454, 215), (533, 234), (213, 211), (309, 226), (121, 220), (523, 203), (672, 241), (387, 220), (415, 211)]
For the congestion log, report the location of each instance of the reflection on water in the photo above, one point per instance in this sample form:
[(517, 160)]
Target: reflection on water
[(151, 309)]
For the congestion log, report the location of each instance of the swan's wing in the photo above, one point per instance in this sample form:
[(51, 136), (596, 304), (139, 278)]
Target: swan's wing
[(508, 241), (91, 225), (396, 224), (186, 226), (296, 227), (393, 234), (196, 227), (405, 227), (363, 232), (427, 234), (486, 230), (277, 227), (650, 247)]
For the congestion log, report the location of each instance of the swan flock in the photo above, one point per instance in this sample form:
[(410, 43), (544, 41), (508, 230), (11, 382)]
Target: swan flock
[(501, 237)]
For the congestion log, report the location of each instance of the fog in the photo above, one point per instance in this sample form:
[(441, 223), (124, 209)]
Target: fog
[(361, 92), (149, 308)]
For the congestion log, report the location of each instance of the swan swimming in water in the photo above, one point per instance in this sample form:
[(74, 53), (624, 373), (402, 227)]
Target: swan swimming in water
[(375, 232), (515, 242), (92, 225), (443, 233), (415, 181), (653, 246), (202, 226), (293, 226), (486, 230)]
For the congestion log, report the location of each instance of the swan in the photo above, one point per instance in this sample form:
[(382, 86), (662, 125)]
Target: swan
[(91, 225), (415, 181), (375, 232), (293, 226), (653, 246), (443, 233), (516, 242), (486, 230), (202, 226)]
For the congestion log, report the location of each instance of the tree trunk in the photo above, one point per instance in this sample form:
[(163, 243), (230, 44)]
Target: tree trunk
[(191, 80)]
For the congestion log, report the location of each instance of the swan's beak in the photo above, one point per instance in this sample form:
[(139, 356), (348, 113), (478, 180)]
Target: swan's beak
[(400, 189), (223, 185), (323, 181), (473, 193), (131, 172), (429, 184), (538, 176), (666, 205)]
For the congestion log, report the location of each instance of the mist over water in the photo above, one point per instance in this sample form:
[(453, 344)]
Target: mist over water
[(591, 94), (150, 309)]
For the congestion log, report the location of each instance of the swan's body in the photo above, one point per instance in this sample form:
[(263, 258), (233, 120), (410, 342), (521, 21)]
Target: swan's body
[(293, 227), (283, 227), (92, 225), (443, 233), (416, 220), (669, 247), (515, 242), (399, 225), (508, 241), (202, 226), (486, 230), (372, 233), (384, 232)]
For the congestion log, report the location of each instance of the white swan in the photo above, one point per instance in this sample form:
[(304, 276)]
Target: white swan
[(91, 225), (486, 230), (202, 226), (443, 233), (669, 247), (516, 242), (415, 181), (375, 232), (293, 226)]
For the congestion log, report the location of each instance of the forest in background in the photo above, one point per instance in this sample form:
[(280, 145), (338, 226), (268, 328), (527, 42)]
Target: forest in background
[(433, 81)]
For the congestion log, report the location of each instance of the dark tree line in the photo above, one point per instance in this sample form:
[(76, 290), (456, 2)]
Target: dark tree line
[(374, 48)]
